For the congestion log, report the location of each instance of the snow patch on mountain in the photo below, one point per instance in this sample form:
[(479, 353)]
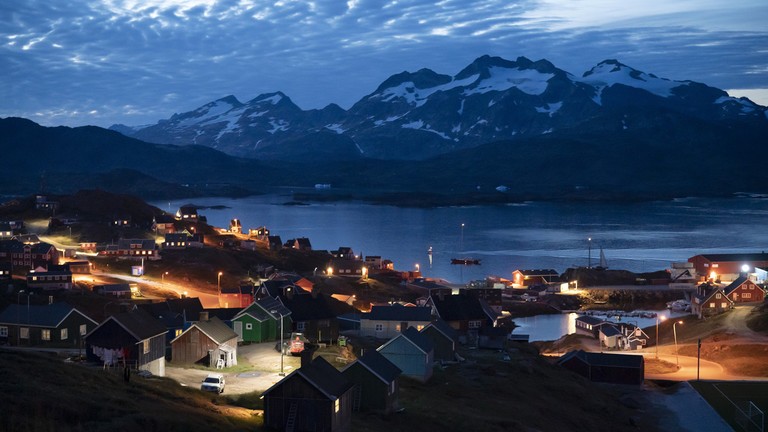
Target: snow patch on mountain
[(528, 81), (336, 128), (550, 108), (257, 114), (419, 125), (416, 96), (278, 125), (609, 73), (206, 113), (274, 99)]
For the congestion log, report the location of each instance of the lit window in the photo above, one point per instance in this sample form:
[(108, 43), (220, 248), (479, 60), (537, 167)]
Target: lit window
[(419, 327), (747, 295), (45, 334), (712, 305), (83, 329), (146, 346), (723, 305), (336, 405), (178, 332), (64, 334), (718, 296)]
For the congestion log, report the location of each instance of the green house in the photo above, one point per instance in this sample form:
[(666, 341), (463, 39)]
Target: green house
[(261, 321)]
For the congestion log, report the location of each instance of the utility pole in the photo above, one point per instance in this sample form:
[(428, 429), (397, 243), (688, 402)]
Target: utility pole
[(698, 361)]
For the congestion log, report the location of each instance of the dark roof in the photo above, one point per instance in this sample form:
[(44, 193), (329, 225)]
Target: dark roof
[(274, 304), (321, 375), (143, 244), (736, 257), (735, 284), (609, 330), (459, 307), (215, 329), (275, 287), (308, 307), (189, 307), (418, 339), (604, 359), (540, 272), (427, 284), (442, 327), (384, 369), (140, 324), (397, 312), (224, 314), (590, 319), (39, 316)]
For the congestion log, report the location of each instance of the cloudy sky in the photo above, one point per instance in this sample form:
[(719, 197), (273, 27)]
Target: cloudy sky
[(77, 62)]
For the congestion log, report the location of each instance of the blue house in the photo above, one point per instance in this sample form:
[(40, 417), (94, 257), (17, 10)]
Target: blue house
[(412, 352)]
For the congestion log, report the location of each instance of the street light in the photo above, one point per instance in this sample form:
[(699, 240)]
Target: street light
[(461, 242), (417, 268), (218, 285), (674, 331), (282, 348), (589, 252), (657, 333), (162, 276)]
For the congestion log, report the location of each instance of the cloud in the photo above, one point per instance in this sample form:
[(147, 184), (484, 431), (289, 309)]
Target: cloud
[(136, 61)]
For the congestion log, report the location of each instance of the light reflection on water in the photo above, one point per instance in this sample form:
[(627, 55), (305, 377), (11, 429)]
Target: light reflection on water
[(634, 236)]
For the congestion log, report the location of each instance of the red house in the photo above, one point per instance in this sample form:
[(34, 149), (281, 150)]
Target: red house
[(710, 300), (717, 265), (743, 290)]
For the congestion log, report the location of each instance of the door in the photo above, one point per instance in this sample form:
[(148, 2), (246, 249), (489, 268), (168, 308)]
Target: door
[(239, 330)]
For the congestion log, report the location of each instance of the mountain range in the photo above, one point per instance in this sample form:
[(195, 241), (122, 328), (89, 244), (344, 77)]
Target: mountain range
[(423, 114), (498, 131)]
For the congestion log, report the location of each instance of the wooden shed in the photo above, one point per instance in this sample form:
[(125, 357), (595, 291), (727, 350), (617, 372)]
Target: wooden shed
[(262, 321), (604, 367), (210, 342), (376, 382), (315, 397), (443, 339), (412, 352)]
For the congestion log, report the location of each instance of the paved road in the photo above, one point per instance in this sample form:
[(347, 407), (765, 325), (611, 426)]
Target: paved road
[(209, 300)]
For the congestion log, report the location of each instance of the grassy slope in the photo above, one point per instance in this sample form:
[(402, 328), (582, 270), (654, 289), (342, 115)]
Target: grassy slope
[(42, 393)]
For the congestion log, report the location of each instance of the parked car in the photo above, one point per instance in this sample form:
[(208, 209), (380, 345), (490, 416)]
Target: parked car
[(213, 383)]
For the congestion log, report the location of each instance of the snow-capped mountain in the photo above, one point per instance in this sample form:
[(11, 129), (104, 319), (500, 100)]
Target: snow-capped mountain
[(422, 114)]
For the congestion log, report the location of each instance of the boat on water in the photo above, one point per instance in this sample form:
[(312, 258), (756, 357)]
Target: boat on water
[(465, 261), (679, 305)]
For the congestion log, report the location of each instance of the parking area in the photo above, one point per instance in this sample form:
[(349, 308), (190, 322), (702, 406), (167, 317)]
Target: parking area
[(258, 369)]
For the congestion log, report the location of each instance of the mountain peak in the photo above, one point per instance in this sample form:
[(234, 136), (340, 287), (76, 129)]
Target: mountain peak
[(482, 64), (423, 78)]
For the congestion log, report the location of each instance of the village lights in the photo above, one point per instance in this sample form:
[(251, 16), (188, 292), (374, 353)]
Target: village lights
[(417, 267), (162, 276), (745, 268), (218, 282), (365, 272), (589, 252), (658, 319), (329, 271), (674, 331), (713, 275)]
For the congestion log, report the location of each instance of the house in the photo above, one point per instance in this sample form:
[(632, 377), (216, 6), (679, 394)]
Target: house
[(412, 352), (710, 300), (132, 248), (207, 341), (344, 252), (314, 314), (744, 290), (262, 320), (726, 266), (236, 297), (301, 243), (176, 240), (6, 271), (79, 267), (373, 261), (275, 243), (611, 337), (376, 383), (588, 325), (275, 287), (348, 267), (121, 290), (187, 212), (176, 314), (23, 255), (526, 278), (121, 221), (133, 336), (491, 295), (56, 325), (463, 312), (6, 232), (43, 203), (261, 233), (55, 278), (385, 322), (635, 337), (164, 224), (605, 367), (315, 397), (443, 338)]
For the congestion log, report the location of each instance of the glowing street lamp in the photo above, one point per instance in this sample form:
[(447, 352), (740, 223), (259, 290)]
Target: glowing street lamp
[(218, 282), (365, 272), (162, 276), (745, 269), (589, 252), (329, 271), (417, 267), (658, 319), (674, 331)]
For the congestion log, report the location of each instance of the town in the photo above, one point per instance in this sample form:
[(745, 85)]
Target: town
[(329, 340)]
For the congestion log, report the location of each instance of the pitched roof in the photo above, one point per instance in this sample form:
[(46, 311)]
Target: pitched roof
[(224, 314), (38, 316), (308, 307), (397, 312), (735, 284), (378, 365), (459, 307), (321, 375), (420, 340), (442, 327), (214, 328), (590, 320), (138, 323), (604, 359), (609, 330)]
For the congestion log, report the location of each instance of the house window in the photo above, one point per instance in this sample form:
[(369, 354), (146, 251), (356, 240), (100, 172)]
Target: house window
[(715, 265), (83, 329), (178, 332), (64, 334), (301, 326), (3, 331), (723, 305), (474, 324), (718, 296), (712, 304), (249, 326), (336, 405), (380, 327), (419, 327), (146, 346), (45, 334), (746, 295)]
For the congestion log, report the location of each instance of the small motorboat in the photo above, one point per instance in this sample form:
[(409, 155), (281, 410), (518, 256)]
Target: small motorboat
[(465, 261)]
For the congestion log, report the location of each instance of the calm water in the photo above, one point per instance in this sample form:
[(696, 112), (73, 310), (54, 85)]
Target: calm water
[(636, 237), (552, 327)]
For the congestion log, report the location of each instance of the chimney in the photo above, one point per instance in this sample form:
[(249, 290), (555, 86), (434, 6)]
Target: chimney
[(306, 355), (203, 316)]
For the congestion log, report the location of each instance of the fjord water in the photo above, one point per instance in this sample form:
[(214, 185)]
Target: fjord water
[(638, 237)]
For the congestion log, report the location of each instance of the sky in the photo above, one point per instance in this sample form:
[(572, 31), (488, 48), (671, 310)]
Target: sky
[(101, 62)]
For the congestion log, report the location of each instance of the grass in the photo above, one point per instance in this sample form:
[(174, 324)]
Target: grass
[(718, 394), (42, 393), (758, 319)]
